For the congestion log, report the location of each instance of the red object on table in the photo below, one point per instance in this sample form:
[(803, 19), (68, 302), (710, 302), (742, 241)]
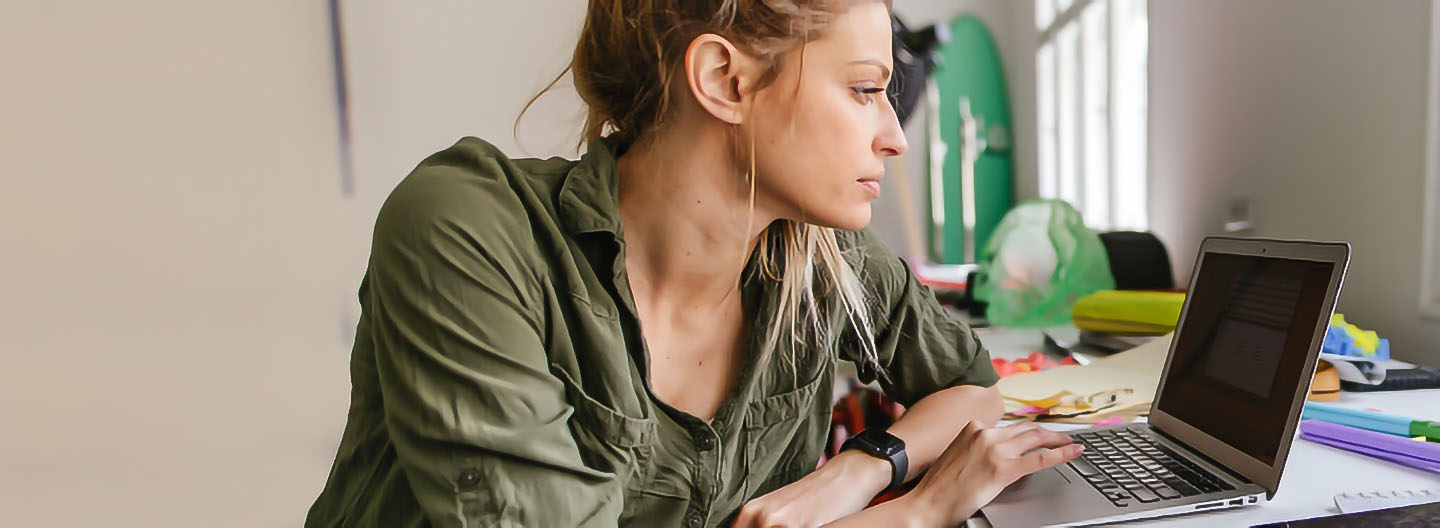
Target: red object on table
[(1035, 362)]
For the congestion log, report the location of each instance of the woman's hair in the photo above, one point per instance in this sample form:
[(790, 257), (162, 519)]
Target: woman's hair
[(630, 53)]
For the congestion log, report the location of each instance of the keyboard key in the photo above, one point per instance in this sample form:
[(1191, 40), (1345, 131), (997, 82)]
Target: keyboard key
[(1124, 459), (1084, 468), (1144, 495)]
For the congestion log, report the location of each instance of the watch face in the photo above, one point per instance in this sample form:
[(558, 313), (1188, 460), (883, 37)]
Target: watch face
[(891, 448), (885, 443)]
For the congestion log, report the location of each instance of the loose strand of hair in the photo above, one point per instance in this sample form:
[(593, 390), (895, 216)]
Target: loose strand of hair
[(515, 127)]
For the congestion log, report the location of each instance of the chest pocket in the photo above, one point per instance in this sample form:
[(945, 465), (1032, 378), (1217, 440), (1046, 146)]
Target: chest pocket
[(609, 441), (778, 430)]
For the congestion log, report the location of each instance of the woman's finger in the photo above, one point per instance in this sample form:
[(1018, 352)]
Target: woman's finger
[(1046, 458), (1014, 430), (1038, 438)]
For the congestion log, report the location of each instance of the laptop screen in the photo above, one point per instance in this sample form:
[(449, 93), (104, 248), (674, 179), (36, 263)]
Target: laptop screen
[(1241, 350)]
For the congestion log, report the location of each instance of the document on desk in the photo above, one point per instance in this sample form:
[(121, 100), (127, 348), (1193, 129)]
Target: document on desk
[(1126, 381)]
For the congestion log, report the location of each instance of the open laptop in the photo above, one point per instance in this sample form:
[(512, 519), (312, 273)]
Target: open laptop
[(1228, 403)]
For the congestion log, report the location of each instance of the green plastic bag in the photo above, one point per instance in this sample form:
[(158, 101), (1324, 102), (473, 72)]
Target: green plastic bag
[(1040, 260)]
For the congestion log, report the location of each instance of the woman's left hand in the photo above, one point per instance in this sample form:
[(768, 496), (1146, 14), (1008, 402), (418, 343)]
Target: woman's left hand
[(843, 486)]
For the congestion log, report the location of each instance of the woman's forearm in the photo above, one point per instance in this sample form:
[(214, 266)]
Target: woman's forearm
[(931, 424), (927, 428), (852, 478), (904, 512)]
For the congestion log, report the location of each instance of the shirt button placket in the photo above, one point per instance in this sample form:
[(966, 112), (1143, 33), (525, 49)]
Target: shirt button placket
[(706, 444)]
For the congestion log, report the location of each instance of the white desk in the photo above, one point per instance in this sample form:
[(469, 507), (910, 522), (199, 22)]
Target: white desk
[(1314, 473)]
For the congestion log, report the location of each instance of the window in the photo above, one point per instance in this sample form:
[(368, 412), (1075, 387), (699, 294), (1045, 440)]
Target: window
[(1091, 108)]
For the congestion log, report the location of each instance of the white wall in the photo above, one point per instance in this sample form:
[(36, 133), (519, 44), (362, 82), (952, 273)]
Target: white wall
[(1314, 111), (180, 266)]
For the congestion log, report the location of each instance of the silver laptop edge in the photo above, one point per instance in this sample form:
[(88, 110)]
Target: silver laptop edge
[(1267, 476), (1254, 481)]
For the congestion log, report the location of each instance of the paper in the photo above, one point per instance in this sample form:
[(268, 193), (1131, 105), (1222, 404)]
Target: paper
[(1356, 369), (1130, 377)]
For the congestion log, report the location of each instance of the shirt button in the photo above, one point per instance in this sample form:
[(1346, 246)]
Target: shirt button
[(468, 479), (705, 443), (694, 521)]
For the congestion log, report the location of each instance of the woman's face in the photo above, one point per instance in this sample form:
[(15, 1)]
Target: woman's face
[(823, 129)]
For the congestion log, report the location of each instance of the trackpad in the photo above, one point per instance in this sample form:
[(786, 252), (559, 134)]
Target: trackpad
[(1035, 484)]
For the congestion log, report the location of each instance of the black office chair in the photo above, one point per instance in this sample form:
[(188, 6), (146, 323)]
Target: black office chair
[(1138, 261)]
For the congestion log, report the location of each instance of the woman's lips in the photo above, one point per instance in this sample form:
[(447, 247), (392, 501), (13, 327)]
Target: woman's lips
[(871, 185)]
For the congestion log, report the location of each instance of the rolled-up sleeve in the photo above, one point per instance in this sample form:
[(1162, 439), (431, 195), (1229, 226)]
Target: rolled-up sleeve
[(921, 348), (479, 424)]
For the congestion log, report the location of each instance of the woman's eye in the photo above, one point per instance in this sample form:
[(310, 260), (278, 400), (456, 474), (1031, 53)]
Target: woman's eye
[(867, 94)]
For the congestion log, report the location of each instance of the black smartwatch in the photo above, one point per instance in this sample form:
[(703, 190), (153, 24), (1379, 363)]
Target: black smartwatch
[(885, 446)]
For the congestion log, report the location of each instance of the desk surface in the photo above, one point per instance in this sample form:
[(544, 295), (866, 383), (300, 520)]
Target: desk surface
[(1314, 473)]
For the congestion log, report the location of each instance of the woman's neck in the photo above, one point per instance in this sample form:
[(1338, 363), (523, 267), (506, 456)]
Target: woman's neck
[(687, 219)]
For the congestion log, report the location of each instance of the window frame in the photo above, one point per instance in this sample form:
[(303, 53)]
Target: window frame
[(1063, 162)]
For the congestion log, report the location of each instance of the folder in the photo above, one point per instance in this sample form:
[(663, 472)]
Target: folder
[(1424, 456)]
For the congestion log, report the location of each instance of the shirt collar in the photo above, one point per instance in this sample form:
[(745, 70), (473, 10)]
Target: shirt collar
[(590, 196)]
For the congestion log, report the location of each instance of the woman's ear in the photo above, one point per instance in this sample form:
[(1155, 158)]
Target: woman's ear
[(720, 77)]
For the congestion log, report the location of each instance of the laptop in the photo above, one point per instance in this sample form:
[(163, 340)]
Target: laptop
[(1229, 400)]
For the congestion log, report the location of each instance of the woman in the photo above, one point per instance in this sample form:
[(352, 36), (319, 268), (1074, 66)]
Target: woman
[(648, 336)]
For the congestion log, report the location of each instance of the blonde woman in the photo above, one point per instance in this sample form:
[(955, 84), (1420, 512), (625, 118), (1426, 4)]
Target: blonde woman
[(648, 336)]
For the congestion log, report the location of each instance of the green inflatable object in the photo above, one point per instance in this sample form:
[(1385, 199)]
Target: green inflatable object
[(971, 177), (1041, 260)]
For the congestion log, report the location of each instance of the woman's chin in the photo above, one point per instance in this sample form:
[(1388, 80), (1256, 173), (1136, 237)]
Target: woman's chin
[(852, 219)]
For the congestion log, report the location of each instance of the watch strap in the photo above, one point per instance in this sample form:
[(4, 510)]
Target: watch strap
[(871, 442)]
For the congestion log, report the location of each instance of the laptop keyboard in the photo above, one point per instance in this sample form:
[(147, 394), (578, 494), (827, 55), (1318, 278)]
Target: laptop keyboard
[(1130, 466)]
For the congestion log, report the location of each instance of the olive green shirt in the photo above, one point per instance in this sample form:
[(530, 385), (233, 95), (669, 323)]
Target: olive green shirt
[(499, 376)]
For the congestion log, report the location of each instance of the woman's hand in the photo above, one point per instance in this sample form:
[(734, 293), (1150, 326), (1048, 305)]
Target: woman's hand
[(844, 485), (979, 463)]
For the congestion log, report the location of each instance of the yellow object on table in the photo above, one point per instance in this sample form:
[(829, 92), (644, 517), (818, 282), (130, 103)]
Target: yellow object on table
[(1366, 340), (1128, 312)]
